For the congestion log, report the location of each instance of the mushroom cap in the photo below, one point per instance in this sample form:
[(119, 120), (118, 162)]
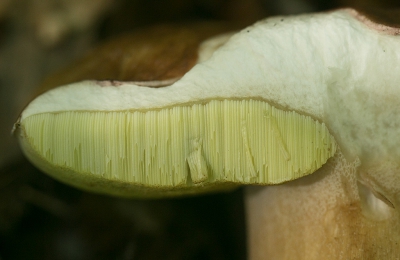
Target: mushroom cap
[(259, 110)]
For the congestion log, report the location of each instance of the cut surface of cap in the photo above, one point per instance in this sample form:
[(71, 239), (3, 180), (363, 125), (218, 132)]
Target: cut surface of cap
[(252, 113), (182, 149)]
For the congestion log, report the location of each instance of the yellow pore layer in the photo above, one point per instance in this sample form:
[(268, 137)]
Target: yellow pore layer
[(234, 141)]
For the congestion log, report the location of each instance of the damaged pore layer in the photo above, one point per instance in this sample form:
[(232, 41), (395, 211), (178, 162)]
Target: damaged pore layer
[(197, 146)]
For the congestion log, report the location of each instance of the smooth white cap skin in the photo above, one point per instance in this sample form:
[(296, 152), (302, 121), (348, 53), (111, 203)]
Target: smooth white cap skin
[(331, 66)]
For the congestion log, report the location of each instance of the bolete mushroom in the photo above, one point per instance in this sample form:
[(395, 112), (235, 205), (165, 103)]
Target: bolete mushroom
[(270, 104)]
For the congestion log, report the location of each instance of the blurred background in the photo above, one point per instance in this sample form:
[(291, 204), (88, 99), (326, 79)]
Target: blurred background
[(43, 219)]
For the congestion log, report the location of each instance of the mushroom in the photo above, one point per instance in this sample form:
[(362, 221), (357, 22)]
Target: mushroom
[(308, 103)]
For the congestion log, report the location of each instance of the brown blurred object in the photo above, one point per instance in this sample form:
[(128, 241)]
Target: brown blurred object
[(160, 53)]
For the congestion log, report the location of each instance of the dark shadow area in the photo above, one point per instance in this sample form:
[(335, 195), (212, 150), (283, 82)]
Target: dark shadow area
[(43, 219)]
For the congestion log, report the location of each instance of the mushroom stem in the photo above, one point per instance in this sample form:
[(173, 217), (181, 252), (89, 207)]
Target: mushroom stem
[(331, 214)]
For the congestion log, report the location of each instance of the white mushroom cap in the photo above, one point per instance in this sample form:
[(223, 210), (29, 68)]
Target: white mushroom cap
[(330, 66)]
